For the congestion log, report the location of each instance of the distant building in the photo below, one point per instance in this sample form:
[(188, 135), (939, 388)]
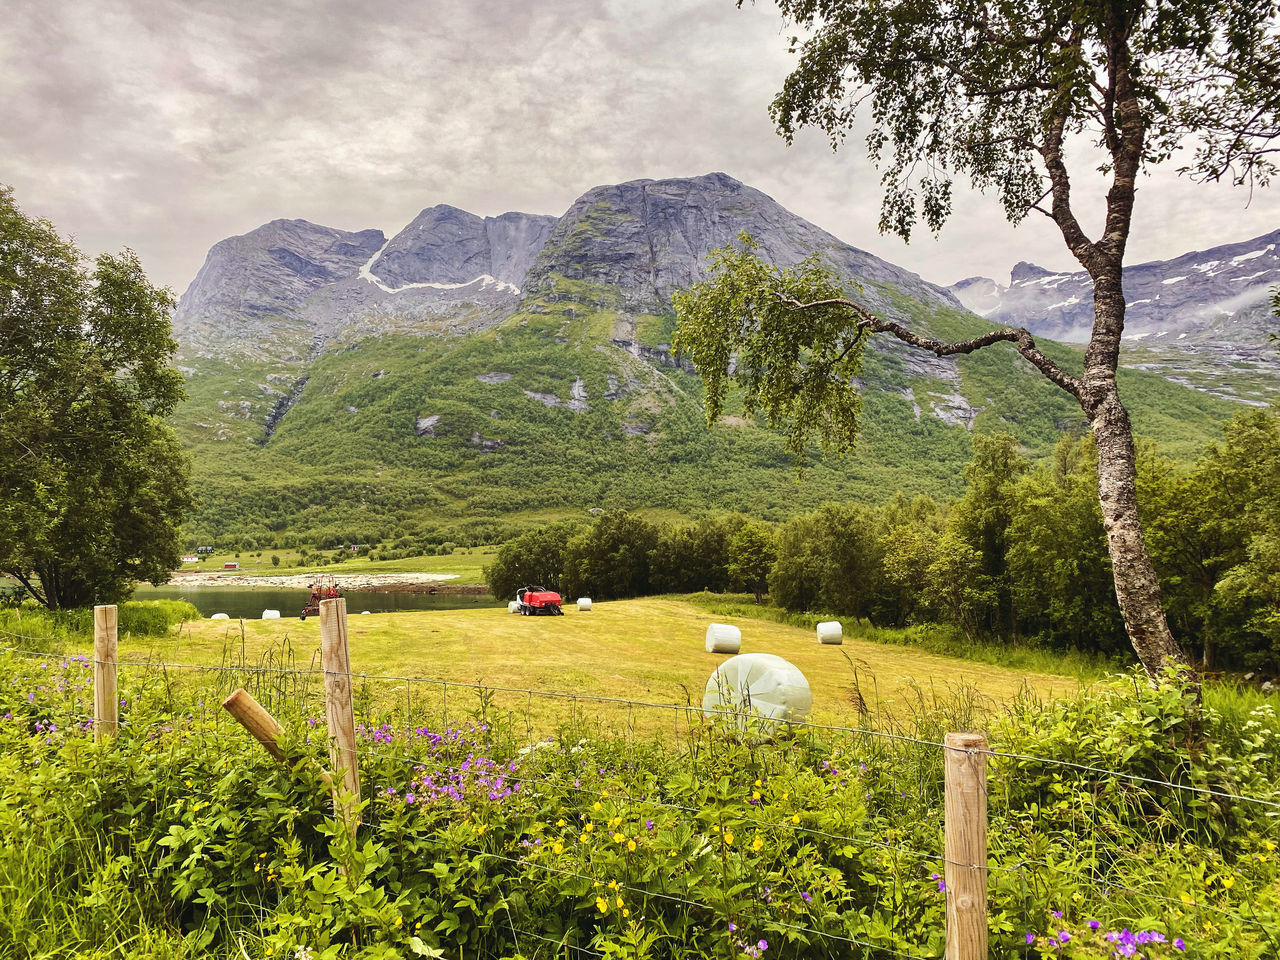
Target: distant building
[(202, 551), (190, 558), (231, 565)]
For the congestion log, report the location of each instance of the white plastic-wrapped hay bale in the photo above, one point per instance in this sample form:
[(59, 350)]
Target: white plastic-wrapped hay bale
[(364, 612), (513, 606), (270, 614), (584, 604), (757, 692), (830, 631), (723, 638), (220, 616)]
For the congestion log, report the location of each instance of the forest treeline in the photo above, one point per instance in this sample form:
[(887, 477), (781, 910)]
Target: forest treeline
[(1020, 556)]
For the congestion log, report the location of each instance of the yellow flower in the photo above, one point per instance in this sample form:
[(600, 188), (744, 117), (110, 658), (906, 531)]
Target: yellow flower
[(560, 823), (1227, 881), (557, 847), (626, 912), (604, 793), (728, 838), (795, 818), (755, 794), (618, 838), (759, 783), (584, 838), (615, 821), (756, 844), (1187, 898), (261, 856), (399, 921), (619, 903), (1269, 845), (631, 846), (596, 805), (257, 867), (613, 884), (589, 827), (481, 827), (602, 904)]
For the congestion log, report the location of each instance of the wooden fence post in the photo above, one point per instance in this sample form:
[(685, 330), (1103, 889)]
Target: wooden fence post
[(336, 659), (254, 717), (965, 846), (106, 702)]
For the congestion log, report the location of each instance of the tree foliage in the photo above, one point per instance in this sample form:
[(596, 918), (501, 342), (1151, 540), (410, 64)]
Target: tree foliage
[(93, 484)]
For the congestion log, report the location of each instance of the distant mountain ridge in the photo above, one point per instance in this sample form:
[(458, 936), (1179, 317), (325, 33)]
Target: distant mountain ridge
[(1220, 295), (289, 281)]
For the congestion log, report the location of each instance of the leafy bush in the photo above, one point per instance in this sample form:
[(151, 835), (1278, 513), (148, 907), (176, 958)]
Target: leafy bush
[(478, 839)]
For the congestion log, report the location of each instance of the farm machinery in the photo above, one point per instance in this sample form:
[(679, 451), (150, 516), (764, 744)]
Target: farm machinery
[(538, 601), (325, 588)]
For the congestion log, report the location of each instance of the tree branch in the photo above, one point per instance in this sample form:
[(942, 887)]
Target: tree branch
[(1020, 337)]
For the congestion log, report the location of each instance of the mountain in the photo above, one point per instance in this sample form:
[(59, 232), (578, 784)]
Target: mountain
[(1203, 319), (473, 374)]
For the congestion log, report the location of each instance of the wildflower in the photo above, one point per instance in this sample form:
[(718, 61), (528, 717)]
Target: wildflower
[(1094, 924), (648, 824), (619, 903), (755, 794), (795, 818), (1179, 944), (613, 884), (560, 823), (1031, 938), (732, 926), (1064, 937), (728, 839), (626, 912), (631, 846), (584, 838), (1056, 913), (602, 904), (1228, 882), (762, 946), (618, 838), (757, 844), (806, 896), (596, 805), (558, 848), (589, 827)]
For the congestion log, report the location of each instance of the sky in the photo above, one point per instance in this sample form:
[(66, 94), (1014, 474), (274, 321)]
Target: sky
[(165, 127)]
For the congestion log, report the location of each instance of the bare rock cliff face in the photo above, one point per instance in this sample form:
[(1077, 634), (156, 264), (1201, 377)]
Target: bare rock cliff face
[(650, 238)]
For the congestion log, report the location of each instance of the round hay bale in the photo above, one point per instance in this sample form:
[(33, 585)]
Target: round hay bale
[(363, 612), (220, 616), (513, 606), (757, 692), (270, 614), (723, 638), (584, 604), (830, 631)]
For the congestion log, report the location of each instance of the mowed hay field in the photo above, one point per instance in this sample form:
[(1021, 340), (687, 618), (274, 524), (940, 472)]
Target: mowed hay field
[(648, 650)]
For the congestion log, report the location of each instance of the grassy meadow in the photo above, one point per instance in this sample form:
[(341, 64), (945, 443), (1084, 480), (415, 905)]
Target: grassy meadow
[(649, 650)]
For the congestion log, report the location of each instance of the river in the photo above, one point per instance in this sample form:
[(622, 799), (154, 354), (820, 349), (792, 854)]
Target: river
[(247, 603)]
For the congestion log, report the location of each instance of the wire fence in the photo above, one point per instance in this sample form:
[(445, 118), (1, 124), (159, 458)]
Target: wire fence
[(416, 705)]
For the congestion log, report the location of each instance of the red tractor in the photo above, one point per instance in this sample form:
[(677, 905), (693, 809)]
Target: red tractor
[(538, 601), (325, 588)]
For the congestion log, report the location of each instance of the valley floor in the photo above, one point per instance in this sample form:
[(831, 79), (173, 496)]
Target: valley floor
[(646, 650)]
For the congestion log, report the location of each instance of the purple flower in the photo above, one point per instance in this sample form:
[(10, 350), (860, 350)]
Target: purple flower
[(1094, 924), (732, 926), (806, 896), (648, 824), (1058, 914), (762, 946), (1178, 944), (409, 798), (1031, 938), (1064, 937)]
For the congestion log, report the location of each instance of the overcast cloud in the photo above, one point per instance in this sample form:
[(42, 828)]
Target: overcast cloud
[(167, 126)]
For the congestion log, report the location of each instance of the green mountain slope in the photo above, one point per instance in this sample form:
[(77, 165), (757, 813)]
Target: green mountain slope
[(469, 421)]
